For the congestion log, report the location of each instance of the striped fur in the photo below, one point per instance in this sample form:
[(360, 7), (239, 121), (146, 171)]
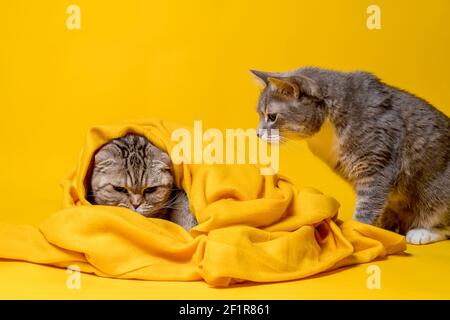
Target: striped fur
[(393, 147), (131, 172)]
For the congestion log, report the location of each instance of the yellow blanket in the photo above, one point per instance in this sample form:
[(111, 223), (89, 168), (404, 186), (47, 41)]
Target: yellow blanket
[(251, 227)]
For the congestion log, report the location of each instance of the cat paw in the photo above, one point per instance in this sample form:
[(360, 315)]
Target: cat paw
[(424, 236)]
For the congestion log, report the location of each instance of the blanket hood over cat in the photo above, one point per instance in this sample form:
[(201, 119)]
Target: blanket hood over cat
[(251, 227)]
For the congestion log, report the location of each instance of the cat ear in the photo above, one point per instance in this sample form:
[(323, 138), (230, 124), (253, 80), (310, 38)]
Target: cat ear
[(293, 86), (285, 87), (308, 86), (160, 159), (160, 165), (106, 154), (262, 76)]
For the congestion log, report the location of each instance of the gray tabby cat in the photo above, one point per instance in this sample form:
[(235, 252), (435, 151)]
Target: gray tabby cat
[(131, 172), (393, 147)]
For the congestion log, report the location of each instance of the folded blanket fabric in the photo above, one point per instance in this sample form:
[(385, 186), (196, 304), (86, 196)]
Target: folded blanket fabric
[(251, 227)]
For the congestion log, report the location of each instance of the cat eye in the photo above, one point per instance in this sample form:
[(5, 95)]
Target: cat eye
[(272, 117), (120, 189), (150, 190)]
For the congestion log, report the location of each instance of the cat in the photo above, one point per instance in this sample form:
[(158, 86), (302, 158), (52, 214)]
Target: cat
[(132, 173), (393, 147)]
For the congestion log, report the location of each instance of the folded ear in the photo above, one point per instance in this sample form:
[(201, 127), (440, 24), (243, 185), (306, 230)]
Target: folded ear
[(160, 164), (294, 86), (160, 159), (106, 154)]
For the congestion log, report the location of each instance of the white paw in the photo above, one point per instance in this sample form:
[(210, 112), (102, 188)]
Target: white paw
[(423, 236)]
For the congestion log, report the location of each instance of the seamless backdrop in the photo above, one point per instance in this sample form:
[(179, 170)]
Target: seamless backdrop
[(188, 60), (185, 61)]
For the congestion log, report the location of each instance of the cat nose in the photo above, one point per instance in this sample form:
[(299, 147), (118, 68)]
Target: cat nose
[(263, 133), (259, 133), (136, 200)]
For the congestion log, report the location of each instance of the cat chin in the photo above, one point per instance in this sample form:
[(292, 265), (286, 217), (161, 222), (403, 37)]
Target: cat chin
[(146, 214), (143, 213), (272, 140), (152, 214)]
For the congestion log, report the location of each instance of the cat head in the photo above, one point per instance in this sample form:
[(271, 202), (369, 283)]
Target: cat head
[(132, 173), (289, 103)]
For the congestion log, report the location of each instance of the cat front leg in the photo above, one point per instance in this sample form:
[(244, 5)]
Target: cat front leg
[(372, 194), (181, 213)]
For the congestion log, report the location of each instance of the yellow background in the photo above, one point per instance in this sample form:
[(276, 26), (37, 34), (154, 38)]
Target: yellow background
[(185, 61)]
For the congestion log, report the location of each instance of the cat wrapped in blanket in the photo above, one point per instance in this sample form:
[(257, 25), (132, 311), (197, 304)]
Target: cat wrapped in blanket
[(131, 172)]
